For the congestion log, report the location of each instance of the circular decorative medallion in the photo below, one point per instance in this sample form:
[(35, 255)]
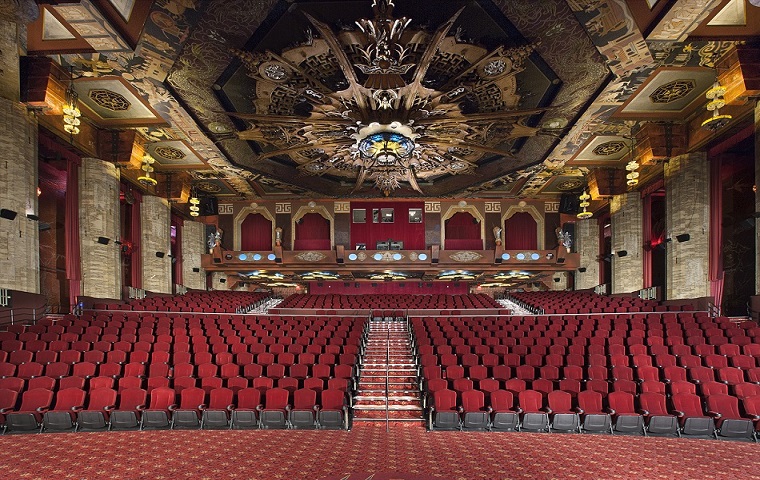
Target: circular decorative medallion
[(569, 185), (496, 67), (109, 100), (169, 153), (608, 148), (672, 91), (209, 187), (275, 71)]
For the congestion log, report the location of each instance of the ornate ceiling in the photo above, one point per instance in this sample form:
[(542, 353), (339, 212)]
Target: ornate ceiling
[(486, 98)]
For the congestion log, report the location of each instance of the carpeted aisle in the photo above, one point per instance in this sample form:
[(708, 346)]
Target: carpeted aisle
[(406, 452)]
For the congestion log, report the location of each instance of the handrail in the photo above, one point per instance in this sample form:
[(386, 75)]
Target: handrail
[(22, 315)]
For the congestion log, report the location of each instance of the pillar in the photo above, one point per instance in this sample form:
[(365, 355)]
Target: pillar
[(587, 246), (626, 217), (19, 237), (99, 228), (155, 221), (687, 199), (193, 246), (757, 198)]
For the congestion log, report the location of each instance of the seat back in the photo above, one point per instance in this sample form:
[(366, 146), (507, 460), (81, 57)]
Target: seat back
[(560, 402), (590, 401), (304, 399), (69, 397), (654, 403), (688, 403), (191, 398), (248, 399), (35, 398), (622, 403), (530, 401), (473, 401)]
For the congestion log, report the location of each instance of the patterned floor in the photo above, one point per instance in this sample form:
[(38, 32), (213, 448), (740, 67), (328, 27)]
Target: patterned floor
[(407, 452)]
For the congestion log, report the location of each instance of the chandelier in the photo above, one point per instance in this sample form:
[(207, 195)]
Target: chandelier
[(194, 202), (716, 102), (584, 198), (147, 167), (374, 112), (71, 111)]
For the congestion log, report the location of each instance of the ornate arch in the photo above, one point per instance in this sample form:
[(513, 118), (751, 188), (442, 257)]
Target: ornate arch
[(240, 217), (301, 212), (530, 209), (454, 209)]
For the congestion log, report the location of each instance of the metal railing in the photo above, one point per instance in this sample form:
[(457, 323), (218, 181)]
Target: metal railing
[(27, 316)]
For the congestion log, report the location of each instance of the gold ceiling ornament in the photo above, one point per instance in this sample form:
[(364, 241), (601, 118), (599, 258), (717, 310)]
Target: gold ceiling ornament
[(716, 102), (147, 167), (584, 203), (386, 102)]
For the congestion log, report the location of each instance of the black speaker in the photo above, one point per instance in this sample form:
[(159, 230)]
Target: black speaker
[(560, 260), (7, 214), (103, 240), (208, 206), (685, 237), (160, 254), (568, 203), (196, 269), (582, 269), (222, 280), (622, 253)]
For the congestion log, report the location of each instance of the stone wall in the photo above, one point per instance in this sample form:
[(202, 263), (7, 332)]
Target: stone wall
[(626, 216), (216, 281), (193, 246), (155, 219), (19, 238), (99, 217), (687, 198), (587, 246)]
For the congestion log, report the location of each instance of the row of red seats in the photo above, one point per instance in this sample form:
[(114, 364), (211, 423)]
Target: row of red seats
[(135, 408), (217, 301), (388, 301)]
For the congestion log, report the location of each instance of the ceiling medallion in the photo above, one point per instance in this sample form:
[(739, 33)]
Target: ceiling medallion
[(608, 148), (672, 91), (466, 256), (569, 185), (109, 100), (169, 153), (209, 187), (386, 102)]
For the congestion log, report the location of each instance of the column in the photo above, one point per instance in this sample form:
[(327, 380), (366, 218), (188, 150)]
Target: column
[(19, 234), (155, 220), (757, 197), (99, 227), (627, 248), (587, 246), (193, 246), (687, 187)]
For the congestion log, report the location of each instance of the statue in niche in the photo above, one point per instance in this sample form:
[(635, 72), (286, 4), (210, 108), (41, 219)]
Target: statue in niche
[(215, 239), (564, 239)]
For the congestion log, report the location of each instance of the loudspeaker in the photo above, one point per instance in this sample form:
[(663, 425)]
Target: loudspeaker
[(582, 269), (684, 237), (622, 253), (7, 214), (160, 254), (32, 216), (340, 253), (222, 280), (208, 206), (568, 203), (196, 270), (560, 260), (103, 240), (556, 280)]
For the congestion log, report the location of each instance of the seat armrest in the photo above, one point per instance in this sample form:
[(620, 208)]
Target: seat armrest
[(611, 411), (489, 409), (230, 407), (172, 407), (519, 410), (316, 408), (42, 409), (460, 409), (643, 411), (202, 406), (579, 410), (678, 413), (259, 407), (6, 410), (714, 414), (548, 410), (77, 408), (288, 407), (140, 408), (754, 417)]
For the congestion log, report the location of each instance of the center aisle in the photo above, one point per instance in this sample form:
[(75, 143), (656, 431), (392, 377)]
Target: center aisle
[(388, 387)]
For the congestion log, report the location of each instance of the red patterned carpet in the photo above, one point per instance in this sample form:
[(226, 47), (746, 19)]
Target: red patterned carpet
[(369, 452)]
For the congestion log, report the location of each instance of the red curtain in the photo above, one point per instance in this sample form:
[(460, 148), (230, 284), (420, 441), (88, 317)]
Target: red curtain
[(256, 233), (413, 287), (462, 231), (648, 235), (71, 226), (134, 236), (179, 224), (520, 232), (369, 233), (312, 232), (716, 232)]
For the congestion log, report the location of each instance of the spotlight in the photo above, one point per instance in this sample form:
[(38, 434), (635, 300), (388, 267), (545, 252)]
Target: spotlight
[(622, 253), (684, 237), (32, 216)]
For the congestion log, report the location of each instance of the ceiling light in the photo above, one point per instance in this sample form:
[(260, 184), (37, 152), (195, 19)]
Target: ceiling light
[(71, 111), (584, 198), (147, 167), (716, 102)]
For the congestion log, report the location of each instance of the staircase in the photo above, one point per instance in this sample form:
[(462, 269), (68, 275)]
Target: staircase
[(388, 388)]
